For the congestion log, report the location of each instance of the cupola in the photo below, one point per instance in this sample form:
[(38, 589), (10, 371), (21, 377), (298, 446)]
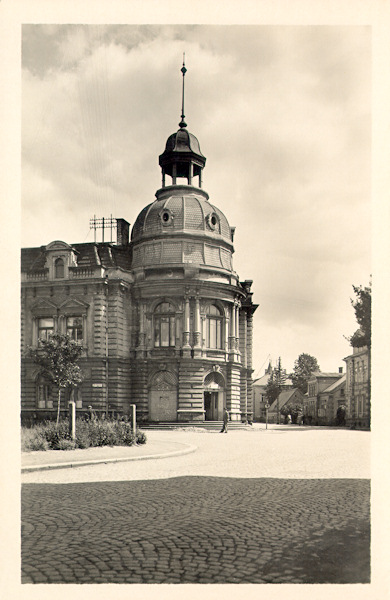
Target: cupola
[(182, 157)]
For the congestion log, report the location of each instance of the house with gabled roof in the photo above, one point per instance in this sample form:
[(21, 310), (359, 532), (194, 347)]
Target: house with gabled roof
[(291, 396), (331, 403), (317, 384)]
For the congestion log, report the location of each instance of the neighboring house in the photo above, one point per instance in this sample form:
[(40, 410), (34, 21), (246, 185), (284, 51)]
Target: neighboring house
[(166, 323), (289, 396), (317, 383), (331, 404), (358, 389), (259, 397)]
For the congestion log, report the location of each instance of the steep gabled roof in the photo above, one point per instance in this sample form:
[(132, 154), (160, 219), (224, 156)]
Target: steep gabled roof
[(337, 384), (284, 398)]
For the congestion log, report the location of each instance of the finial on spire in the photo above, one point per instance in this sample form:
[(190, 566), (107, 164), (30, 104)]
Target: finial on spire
[(184, 71)]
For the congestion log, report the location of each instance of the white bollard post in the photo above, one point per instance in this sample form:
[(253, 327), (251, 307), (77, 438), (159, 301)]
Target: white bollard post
[(133, 419), (72, 419)]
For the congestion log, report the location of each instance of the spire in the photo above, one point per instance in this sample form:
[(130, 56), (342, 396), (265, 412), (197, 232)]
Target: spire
[(184, 71)]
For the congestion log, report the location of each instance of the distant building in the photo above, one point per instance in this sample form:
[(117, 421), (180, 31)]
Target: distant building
[(318, 383), (331, 404), (291, 396), (259, 397), (358, 392)]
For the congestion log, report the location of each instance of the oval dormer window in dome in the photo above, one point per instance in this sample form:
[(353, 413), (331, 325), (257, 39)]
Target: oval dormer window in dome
[(166, 217), (212, 221)]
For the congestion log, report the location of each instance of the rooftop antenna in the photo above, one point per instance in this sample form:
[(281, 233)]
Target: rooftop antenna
[(184, 71)]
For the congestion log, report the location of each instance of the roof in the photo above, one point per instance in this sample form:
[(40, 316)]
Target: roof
[(334, 386), (284, 398), (183, 141), (88, 255), (262, 380), (321, 375)]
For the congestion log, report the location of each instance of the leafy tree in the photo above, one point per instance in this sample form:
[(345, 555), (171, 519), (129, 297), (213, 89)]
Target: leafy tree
[(58, 357), (362, 336), (362, 306), (304, 366), (275, 384), (292, 408)]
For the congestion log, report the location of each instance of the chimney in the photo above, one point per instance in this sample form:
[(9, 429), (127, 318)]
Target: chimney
[(122, 232), (340, 369)]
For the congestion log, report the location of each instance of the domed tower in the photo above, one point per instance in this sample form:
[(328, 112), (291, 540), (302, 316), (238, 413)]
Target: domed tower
[(193, 318)]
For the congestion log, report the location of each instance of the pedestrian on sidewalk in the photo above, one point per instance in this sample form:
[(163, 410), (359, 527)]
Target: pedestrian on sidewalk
[(225, 421)]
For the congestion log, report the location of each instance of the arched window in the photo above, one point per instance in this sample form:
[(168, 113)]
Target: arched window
[(213, 327), (164, 325), (59, 271)]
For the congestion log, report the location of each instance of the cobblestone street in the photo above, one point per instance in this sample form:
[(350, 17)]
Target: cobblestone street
[(197, 530), (196, 527)]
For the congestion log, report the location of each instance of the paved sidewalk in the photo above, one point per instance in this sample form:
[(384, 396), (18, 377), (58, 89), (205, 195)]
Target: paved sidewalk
[(57, 459)]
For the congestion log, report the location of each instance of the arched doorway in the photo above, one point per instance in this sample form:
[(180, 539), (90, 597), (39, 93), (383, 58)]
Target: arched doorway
[(214, 396), (163, 397)]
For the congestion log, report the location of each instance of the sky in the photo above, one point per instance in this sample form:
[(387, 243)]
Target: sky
[(283, 115)]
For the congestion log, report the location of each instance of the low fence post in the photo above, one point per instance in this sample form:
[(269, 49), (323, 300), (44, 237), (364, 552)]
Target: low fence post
[(72, 419), (133, 418)]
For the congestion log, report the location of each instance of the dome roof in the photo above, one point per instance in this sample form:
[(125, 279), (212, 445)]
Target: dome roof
[(180, 209), (182, 227), (182, 141)]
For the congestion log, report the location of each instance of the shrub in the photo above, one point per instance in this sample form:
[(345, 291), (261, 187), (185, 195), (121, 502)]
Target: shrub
[(65, 444), (33, 440), (54, 433), (141, 437), (89, 433)]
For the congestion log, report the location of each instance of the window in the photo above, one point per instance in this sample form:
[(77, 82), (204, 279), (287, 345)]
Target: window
[(213, 327), (164, 325), (43, 394), (59, 271), (45, 328), (74, 328)]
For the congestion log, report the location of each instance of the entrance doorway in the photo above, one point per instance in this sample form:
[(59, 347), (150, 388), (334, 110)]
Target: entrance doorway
[(214, 396), (213, 407)]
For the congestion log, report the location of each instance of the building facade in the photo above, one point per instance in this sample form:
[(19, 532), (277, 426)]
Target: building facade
[(164, 319), (358, 388), (318, 383), (332, 405), (291, 396), (260, 401)]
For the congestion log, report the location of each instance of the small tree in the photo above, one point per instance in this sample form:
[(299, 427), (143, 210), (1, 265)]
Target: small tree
[(292, 408), (274, 386), (58, 357), (304, 366)]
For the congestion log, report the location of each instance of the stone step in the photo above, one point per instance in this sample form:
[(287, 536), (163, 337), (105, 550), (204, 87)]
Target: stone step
[(209, 425)]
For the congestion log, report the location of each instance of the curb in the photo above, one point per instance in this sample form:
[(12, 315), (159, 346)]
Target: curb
[(85, 463)]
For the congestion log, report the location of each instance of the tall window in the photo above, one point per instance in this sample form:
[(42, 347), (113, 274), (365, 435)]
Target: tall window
[(59, 269), (43, 394), (164, 325), (213, 327), (74, 328), (45, 328)]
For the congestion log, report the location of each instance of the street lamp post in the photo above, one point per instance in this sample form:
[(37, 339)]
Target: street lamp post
[(266, 414)]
